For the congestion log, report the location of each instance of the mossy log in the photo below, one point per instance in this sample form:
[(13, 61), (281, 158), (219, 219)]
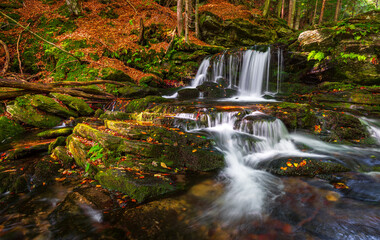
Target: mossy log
[(48, 88)]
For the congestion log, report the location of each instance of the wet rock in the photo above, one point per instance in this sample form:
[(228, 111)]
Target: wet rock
[(9, 129), (135, 91), (211, 90), (45, 171), (78, 150), (301, 167), (26, 151), (343, 127), (60, 153), (53, 133), (188, 93), (115, 115), (60, 141), (74, 103), (22, 111), (137, 188), (139, 105), (49, 105)]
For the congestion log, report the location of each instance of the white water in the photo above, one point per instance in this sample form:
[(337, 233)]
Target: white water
[(245, 142), (247, 72), (373, 127)]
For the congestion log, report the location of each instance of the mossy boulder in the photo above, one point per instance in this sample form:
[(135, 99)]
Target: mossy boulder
[(301, 167), (78, 150), (26, 151), (60, 153), (116, 75), (140, 189), (212, 90), (22, 111), (115, 115), (188, 93), (296, 115), (53, 133), (139, 105), (45, 170), (74, 103), (9, 129), (343, 127), (152, 81), (134, 91), (237, 32), (60, 141), (49, 105)]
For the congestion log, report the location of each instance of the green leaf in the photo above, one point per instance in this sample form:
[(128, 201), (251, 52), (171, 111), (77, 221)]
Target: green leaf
[(87, 167)]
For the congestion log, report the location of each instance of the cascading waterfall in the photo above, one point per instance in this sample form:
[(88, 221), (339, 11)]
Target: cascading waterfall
[(245, 139), (251, 73), (373, 127)]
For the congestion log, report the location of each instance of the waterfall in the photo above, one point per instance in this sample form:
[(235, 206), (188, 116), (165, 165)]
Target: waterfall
[(373, 127), (249, 72), (246, 138)]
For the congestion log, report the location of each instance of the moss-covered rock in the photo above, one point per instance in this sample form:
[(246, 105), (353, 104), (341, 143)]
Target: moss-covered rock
[(22, 111), (134, 91), (53, 133), (9, 129), (78, 150), (60, 141), (49, 105), (212, 90), (302, 167), (115, 115), (152, 81), (106, 140), (45, 170), (188, 93), (139, 105), (140, 189), (60, 153), (74, 103), (26, 151)]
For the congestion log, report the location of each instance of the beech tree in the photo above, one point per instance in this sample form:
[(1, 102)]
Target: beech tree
[(179, 18), (322, 12)]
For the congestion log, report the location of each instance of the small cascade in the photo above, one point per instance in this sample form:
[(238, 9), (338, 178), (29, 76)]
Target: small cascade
[(246, 138), (252, 73), (373, 127)]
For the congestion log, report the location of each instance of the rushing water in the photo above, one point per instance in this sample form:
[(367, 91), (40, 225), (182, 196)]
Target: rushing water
[(250, 72)]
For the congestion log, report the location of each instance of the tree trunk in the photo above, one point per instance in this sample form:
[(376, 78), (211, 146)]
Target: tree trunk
[(290, 13), (337, 10), (315, 12), (266, 8), (179, 18), (298, 18), (74, 7), (279, 6), (7, 58), (187, 17), (196, 19), (141, 35), (283, 9), (322, 12)]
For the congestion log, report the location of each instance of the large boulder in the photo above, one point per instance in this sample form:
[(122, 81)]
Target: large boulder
[(9, 129), (74, 103), (50, 105)]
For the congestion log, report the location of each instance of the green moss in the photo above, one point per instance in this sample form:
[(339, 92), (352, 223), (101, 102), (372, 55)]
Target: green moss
[(115, 115), (23, 111), (60, 153), (60, 141), (9, 129), (49, 105), (115, 75), (74, 103), (139, 189), (53, 133), (139, 105)]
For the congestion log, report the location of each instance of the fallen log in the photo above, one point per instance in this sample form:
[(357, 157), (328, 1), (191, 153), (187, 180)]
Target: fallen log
[(60, 84), (48, 88)]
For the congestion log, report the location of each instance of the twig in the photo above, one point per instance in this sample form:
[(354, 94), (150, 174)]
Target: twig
[(43, 39), (132, 6), (7, 58), (18, 51)]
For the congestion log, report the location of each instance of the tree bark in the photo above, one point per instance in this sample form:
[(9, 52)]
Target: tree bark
[(315, 12), (290, 13), (196, 19), (298, 18), (179, 18), (7, 58), (187, 16), (283, 9), (266, 8), (322, 12), (279, 6), (337, 10), (141, 35)]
